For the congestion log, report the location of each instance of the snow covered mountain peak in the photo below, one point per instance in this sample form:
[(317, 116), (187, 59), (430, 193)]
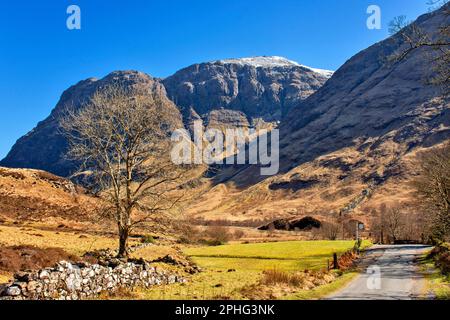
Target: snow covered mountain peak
[(262, 61), (271, 62)]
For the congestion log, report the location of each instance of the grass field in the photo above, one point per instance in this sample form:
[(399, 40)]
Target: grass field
[(72, 242), (288, 256), (226, 269), (229, 268)]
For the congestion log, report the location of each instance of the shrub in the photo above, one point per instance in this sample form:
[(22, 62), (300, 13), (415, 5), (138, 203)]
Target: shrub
[(238, 234), (330, 230), (211, 243), (273, 277), (217, 234), (148, 239), (441, 257), (187, 234)]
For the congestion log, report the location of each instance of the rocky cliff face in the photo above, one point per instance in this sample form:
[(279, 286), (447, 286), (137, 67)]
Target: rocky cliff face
[(261, 88), (44, 147)]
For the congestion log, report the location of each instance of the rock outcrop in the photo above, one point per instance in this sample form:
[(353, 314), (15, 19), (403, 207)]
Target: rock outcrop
[(262, 88)]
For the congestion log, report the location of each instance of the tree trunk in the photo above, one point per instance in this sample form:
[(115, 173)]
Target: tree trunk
[(123, 242)]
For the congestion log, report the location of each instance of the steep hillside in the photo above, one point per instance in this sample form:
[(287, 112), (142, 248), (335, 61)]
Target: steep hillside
[(372, 98), (34, 195)]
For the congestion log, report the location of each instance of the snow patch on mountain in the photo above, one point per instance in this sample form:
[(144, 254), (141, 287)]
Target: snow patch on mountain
[(272, 62), (325, 73)]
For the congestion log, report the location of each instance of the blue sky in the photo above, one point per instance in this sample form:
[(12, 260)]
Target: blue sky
[(40, 57)]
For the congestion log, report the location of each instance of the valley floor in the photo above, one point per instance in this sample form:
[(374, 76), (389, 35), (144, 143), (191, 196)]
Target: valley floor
[(266, 270), (228, 271)]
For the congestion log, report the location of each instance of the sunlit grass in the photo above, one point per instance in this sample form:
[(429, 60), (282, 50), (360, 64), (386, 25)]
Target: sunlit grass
[(207, 285), (229, 268), (71, 242), (437, 284), (325, 290), (286, 256), (226, 269)]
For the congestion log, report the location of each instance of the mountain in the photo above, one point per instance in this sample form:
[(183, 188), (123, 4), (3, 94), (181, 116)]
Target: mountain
[(229, 93), (44, 147), (351, 146), (251, 90)]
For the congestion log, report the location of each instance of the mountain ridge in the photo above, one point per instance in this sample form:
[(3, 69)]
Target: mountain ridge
[(44, 147)]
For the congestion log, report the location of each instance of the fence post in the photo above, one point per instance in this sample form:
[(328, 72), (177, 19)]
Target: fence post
[(335, 261)]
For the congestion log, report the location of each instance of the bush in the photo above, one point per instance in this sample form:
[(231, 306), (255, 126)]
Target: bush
[(330, 230), (211, 243), (148, 239), (217, 234), (441, 257), (238, 234), (187, 234)]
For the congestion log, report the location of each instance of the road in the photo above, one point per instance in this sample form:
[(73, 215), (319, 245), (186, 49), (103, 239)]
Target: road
[(391, 273)]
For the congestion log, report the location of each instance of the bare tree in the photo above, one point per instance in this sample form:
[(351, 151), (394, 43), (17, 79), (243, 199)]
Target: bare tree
[(377, 224), (330, 230), (394, 222), (433, 187), (416, 38), (383, 209), (120, 137)]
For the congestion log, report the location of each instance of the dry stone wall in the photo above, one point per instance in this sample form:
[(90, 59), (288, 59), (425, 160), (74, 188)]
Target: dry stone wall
[(68, 281)]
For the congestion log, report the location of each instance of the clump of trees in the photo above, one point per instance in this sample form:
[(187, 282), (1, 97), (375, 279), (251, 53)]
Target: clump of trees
[(121, 138), (433, 188), (398, 222)]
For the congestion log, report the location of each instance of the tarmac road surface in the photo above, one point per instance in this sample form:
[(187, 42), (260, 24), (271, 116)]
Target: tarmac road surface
[(391, 273)]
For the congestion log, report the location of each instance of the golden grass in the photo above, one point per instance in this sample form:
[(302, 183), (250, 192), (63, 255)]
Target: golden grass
[(325, 290), (71, 242), (5, 277)]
